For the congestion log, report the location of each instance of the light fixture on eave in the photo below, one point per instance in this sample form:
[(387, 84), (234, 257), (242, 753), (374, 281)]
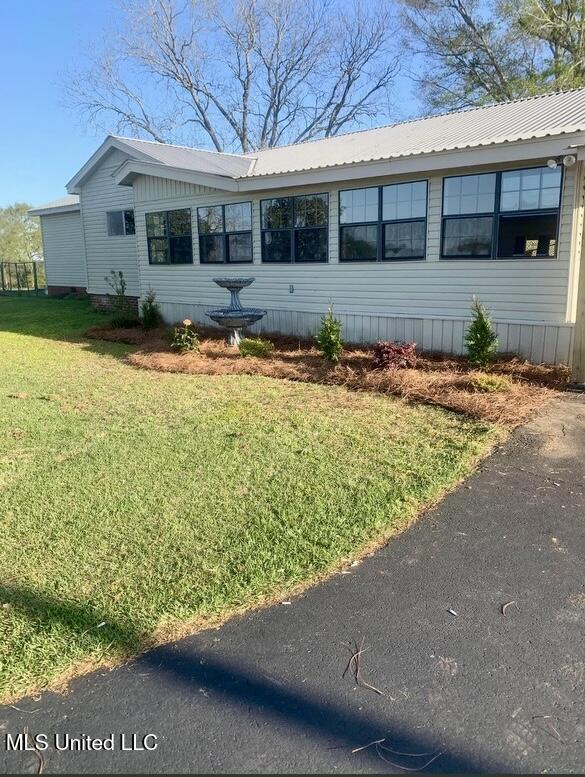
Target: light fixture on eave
[(569, 160), (552, 163)]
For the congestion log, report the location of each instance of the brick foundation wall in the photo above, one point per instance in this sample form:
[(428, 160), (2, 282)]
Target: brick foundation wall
[(58, 291), (104, 302)]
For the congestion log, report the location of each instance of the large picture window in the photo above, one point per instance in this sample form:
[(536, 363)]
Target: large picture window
[(383, 223), (168, 234), (294, 229), (501, 215), (225, 233)]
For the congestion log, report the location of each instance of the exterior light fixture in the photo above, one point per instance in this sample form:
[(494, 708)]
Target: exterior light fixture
[(552, 163), (569, 160)]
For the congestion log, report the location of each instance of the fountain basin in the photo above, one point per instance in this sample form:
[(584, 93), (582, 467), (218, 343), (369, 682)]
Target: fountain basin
[(236, 318), (234, 283)]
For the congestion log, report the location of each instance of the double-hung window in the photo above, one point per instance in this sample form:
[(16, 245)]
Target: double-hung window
[(501, 215), (168, 233), (120, 222), (294, 229), (225, 233), (383, 223), (468, 215)]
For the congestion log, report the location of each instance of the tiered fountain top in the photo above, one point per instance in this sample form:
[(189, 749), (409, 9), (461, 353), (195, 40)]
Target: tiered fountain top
[(235, 317)]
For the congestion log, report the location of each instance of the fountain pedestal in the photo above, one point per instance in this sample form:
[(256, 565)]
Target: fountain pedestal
[(235, 318)]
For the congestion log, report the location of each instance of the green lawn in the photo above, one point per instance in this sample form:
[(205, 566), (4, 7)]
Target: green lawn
[(134, 503)]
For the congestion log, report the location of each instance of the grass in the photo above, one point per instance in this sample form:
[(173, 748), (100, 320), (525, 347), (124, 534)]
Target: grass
[(138, 505), (450, 382)]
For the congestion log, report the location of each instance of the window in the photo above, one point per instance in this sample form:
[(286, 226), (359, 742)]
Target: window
[(527, 235), (521, 231), (469, 194), (501, 215), (225, 233), (467, 234), (120, 222), (358, 205), (383, 223), (537, 189), (169, 237), (294, 229), (468, 237)]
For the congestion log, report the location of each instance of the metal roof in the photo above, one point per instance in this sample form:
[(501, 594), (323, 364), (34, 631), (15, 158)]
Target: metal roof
[(196, 159), (526, 119), (543, 116), (66, 204)]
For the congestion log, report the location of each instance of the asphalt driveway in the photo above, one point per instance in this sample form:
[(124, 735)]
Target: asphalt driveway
[(447, 669)]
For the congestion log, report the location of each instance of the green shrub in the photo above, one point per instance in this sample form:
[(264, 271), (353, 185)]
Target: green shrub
[(490, 384), (185, 337), (150, 311), (481, 339), (329, 337), (117, 284), (255, 346), (125, 319)]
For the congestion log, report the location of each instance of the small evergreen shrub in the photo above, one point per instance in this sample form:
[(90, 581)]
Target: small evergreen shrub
[(150, 311), (255, 346), (490, 384), (124, 319), (185, 338), (481, 339), (392, 356), (329, 337)]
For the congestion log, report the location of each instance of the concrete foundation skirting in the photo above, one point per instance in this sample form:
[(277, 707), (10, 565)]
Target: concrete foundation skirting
[(549, 343)]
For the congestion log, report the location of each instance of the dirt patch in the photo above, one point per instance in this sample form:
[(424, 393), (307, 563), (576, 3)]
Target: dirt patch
[(446, 381)]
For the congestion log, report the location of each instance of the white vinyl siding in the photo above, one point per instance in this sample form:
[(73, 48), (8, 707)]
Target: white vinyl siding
[(522, 289), (63, 249), (100, 194)]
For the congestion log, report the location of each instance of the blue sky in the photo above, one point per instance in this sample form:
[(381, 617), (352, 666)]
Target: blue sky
[(42, 142)]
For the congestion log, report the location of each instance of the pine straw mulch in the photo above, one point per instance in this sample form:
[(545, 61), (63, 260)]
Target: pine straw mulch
[(438, 379)]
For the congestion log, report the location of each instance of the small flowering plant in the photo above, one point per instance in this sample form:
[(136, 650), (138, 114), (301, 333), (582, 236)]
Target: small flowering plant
[(185, 338)]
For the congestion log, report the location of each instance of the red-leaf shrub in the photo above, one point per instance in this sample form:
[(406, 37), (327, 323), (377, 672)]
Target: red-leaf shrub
[(391, 356)]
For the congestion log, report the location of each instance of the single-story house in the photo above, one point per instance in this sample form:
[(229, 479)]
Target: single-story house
[(397, 227), (63, 245)]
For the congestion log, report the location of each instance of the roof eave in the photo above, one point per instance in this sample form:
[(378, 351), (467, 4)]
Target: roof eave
[(111, 142), (52, 211), (508, 151), (129, 170)]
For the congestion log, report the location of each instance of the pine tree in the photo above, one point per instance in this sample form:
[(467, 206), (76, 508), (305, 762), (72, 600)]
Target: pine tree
[(481, 339), (329, 337)]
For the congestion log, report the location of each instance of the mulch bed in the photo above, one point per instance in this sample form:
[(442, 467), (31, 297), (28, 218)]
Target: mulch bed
[(446, 381)]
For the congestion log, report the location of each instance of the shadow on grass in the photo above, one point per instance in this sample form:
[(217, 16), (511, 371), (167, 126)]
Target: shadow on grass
[(241, 692), (46, 610), (63, 320)]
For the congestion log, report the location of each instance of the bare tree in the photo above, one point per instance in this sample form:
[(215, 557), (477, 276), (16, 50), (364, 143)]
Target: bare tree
[(241, 75)]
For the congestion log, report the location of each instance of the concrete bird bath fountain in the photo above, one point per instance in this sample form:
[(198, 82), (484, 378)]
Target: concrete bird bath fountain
[(235, 318)]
